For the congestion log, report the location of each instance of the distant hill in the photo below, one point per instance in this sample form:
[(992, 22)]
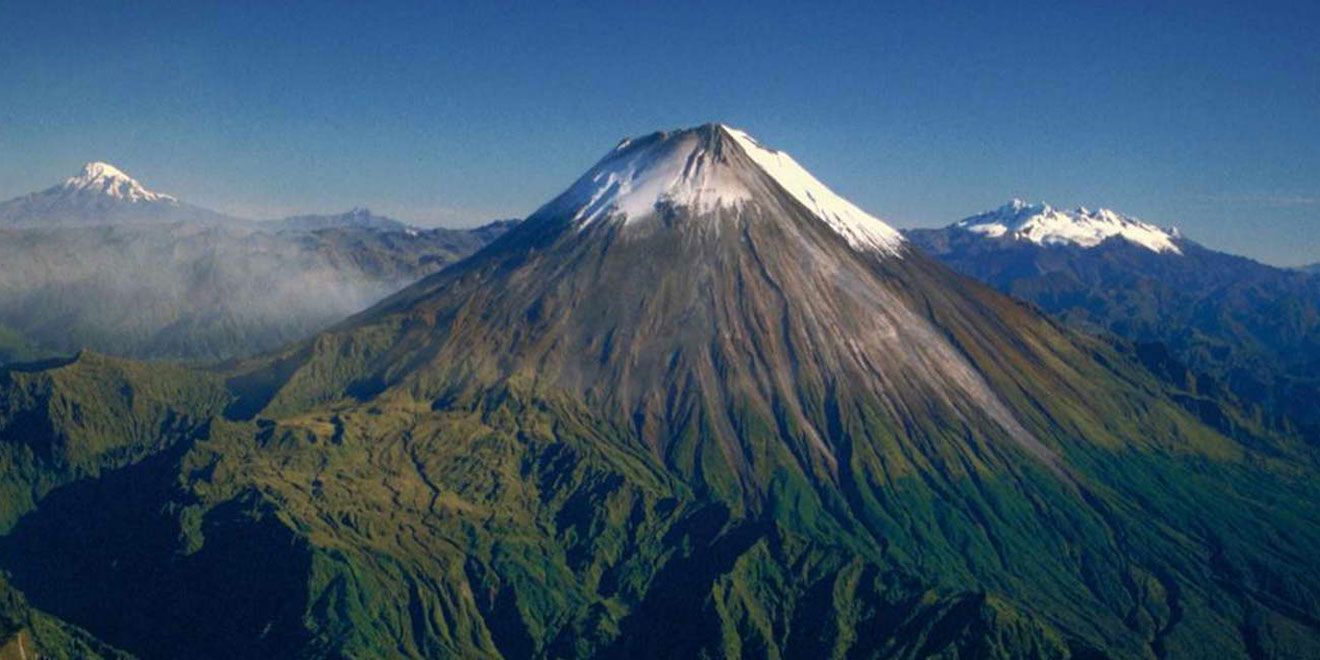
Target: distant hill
[(490, 231), (358, 218)]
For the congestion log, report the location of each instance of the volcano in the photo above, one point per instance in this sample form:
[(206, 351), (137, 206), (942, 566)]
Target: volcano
[(99, 194), (698, 405), (694, 282)]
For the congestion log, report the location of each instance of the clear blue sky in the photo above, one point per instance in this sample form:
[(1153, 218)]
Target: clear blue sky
[(1201, 114)]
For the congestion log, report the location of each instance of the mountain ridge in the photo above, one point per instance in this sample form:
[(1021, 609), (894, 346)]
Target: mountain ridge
[(1252, 327), (1044, 225), (358, 217)]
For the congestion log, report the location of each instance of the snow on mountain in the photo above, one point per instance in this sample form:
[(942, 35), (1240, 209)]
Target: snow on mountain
[(683, 168), (101, 193), (106, 179), (861, 229), (700, 169), (1045, 225)]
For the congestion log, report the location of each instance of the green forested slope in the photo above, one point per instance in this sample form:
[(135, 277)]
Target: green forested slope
[(515, 521)]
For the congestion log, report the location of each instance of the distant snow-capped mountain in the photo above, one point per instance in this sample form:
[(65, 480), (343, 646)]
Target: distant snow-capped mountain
[(105, 179), (101, 193), (1253, 326), (1044, 225)]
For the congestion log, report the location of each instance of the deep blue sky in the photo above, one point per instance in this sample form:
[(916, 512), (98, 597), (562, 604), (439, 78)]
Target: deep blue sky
[(1201, 114)]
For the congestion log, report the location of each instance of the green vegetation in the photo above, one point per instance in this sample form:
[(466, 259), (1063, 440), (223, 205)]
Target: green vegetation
[(14, 347), (739, 459), (515, 522), (26, 634)]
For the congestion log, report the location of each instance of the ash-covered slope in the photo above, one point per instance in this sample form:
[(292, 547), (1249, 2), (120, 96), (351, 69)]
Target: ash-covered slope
[(694, 407)]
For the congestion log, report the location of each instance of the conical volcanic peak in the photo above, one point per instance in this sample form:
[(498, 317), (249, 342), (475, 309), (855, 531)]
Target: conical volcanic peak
[(106, 179), (689, 168), (705, 169), (101, 193), (690, 275)]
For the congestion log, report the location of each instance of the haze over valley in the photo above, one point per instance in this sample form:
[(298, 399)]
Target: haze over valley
[(100, 262)]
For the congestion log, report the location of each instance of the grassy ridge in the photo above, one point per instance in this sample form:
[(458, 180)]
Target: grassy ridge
[(517, 524), (364, 495)]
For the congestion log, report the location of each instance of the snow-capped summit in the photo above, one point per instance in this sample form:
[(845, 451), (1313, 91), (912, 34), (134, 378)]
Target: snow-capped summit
[(707, 168), (106, 179), (859, 227), (101, 193), (1044, 225)]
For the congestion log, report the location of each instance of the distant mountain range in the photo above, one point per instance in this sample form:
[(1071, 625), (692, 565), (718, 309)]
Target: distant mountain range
[(102, 262), (1044, 225), (1252, 327)]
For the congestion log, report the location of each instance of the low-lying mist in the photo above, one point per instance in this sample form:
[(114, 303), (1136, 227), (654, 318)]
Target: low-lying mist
[(195, 292)]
